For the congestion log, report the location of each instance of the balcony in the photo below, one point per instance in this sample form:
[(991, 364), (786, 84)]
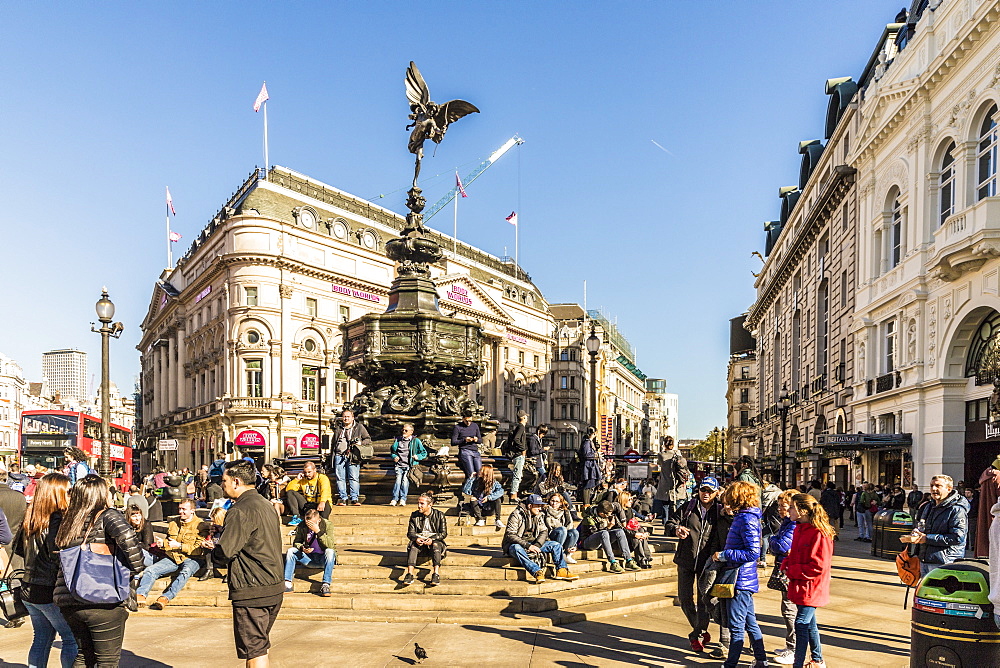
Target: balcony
[(966, 240), (884, 383), (818, 384)]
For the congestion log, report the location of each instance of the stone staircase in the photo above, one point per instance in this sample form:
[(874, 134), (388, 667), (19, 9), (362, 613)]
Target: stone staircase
[(478, 584)]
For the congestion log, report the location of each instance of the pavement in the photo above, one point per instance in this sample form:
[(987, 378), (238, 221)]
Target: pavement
[(864, 626)]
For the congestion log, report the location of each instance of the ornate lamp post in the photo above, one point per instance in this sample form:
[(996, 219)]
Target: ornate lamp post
[(784, 401), (593, 344), (105, 312), (718, 450)]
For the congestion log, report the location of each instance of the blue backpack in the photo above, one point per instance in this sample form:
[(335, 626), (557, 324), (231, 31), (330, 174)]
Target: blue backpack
[(216, 469)]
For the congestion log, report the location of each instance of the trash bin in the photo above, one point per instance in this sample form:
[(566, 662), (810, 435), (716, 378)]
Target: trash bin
[(887, 527), (952, 624)]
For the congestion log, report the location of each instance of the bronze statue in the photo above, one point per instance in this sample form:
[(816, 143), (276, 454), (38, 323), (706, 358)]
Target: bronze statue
[(430, 120)]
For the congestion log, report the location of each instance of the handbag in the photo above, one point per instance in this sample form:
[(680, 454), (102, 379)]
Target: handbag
[(12, 596), (725, 583), (94, 577), (778, 580)]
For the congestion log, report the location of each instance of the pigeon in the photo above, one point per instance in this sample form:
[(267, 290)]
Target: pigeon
[(420, 652)]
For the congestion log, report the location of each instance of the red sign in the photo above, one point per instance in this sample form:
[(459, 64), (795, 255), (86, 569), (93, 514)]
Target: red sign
[(250, 438), (202, 448), (309, 440), (632, 456)]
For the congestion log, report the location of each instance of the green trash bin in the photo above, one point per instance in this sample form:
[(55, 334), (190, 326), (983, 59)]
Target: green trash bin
[(952, 623), (891, 525)]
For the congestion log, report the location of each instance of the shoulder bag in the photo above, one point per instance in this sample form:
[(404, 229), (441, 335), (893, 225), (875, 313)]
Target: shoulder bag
[(94, 574), (725, 583), (12, 595), (779, 579)]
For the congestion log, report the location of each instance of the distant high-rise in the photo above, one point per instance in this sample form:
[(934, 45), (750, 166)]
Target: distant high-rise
[(66, 372)]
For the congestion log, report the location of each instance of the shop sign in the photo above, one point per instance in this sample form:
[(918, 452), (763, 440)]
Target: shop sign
[(516, 338), (457, 293), (250, 438), (351, 292), (166, 444), (309, 440), (204, 293)]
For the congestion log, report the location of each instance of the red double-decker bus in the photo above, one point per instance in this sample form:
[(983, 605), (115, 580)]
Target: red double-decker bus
[(46, 434)]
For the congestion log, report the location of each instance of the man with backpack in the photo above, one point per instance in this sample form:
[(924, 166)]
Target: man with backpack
[(867, 506), (348, 437), (674, 475), (515, 448), (702, 526), (76, 465)]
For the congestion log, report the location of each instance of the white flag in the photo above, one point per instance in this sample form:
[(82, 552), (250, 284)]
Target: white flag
[(261, 98)]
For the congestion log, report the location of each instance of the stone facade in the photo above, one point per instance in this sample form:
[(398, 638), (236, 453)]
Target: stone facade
[(13, 399), (238, 333)]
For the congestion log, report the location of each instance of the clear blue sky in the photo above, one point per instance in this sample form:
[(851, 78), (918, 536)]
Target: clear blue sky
[(103, 104)]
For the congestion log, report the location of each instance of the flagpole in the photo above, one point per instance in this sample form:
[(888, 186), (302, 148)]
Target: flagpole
[(454, 239), (517, 232), (265, 138), (170, 253)]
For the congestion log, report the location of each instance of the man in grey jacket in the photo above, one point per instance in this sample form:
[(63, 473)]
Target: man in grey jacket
[(671, 490), (526, 539)]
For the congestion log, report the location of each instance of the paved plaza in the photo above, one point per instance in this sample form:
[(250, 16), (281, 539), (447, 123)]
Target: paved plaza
[(864, 625)]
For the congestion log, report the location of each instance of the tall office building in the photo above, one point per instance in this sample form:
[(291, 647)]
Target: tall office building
[(66, 372)]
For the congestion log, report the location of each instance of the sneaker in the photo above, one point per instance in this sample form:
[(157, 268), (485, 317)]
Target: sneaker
[(762, 563), (630, 565), (140, 599), (564, 574), (341, 502), (402, 503), (160, 604), (481, 523), (393, 502), (324, 589), (696, 645), (295, 521), (646, 565), (717, 651), (499, 525), (540, 576), (615, 567), (289, 587), (408, 580), (570, 559), (435, 579), (706, 638), (355, 502), (784, 657)]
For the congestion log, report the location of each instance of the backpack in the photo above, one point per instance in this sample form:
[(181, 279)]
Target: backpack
[(74, 472), (681, 471), (217, 468), (509, 447)]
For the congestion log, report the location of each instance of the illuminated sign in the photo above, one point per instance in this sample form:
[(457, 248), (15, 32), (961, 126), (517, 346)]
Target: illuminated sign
[(309, 440), (457, 293), (516, 338), (360, 294), (250, 438), (204, 293)]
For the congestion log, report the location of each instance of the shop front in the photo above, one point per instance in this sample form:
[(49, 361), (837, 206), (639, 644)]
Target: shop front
[(982, 440), (850, 459)]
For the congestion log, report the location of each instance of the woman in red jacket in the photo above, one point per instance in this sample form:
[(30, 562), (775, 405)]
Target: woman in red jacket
[(808, 569)]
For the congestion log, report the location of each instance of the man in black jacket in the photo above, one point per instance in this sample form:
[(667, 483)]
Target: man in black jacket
[(702, 527), (519, 443), (251, 544), (344, 459)]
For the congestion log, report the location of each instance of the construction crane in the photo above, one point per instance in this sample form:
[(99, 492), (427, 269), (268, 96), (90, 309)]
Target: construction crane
[(475, 174)]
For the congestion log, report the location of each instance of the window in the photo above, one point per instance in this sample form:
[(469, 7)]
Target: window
[(889, 343), (520, 357), (796, 348), (822, 328), (254, 378), (896, 238), (340, 391), (572, 411), (518, 405), (564, 355), (744, 395), (986, 158), (251, 295), (345, 313), (312, 307), (566, 441), (536, 361), (253, 337), (572, 382), (506, 353), (572, 354), (821, 251), (745, 372), (946, 188), (564, 411), (533, 412), (844, 219), (843, 289), (309, 383), (744, 418), (563, 382)]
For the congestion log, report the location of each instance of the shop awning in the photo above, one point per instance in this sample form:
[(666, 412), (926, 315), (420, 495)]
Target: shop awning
[(850, 445)]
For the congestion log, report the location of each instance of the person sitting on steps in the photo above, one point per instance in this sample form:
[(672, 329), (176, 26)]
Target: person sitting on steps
[(487, 496), (638, 536), (600, 523), (312, 546), (526, 539), (406, 451), (562, 528), (307, 491), (184, 555), (427, 531)]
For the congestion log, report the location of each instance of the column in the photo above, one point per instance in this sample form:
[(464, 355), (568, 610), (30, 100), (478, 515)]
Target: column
[(171, 373), (181, 381), (157, 381)]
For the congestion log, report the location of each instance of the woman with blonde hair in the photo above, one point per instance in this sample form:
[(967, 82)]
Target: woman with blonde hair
[(741, 553), (35, 542), (808, 569)]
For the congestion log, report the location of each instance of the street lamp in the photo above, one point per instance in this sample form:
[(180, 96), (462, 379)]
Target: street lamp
[(105, 312), (718, 450), (784, 401), (593, 344)]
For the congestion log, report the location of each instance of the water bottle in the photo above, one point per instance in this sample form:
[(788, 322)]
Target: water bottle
[(920, 528)]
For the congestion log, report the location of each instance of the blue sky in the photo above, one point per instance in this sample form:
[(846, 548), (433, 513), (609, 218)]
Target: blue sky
[(103, 104)]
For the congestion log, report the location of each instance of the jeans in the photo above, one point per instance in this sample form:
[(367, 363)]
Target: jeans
[(806, 633), (47, 621), (517, 466), (927, 568), (402, 485), (660, 509), (99, 633), (296, 505), (165, 567), (603, 539), (147, 559), (864, 524), (699, 612), (295, 557), (436, 548), (550, 546), (565, 536), (470, 461), (789, 611), (347, 473), (478, 510), (743, 620)]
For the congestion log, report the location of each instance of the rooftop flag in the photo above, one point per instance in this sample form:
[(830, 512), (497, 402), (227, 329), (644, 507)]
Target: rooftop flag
[(262, 97), (175, 236), (458, 184), (170, 202), (512, 218)]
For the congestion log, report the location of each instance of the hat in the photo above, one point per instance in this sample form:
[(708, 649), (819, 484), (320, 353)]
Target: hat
[(710, 482), (534, 500)]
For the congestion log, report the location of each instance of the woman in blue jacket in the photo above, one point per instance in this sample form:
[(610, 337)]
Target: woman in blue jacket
[(779, 544), (742, 551), (406, 451)]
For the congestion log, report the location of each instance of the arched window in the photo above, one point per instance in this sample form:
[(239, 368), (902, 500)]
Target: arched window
[(986, 158), (896, 232), (946, 185), (983, 360)]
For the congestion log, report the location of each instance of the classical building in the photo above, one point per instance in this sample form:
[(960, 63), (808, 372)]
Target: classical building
[(926, 326), (13, 400), (660, 411), (569, 380), (621, 389), (802, 314), (241, 335), (741, 391), (66, 372)]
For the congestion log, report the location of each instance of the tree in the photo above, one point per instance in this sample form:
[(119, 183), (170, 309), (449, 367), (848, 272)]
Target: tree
[(713, 444)]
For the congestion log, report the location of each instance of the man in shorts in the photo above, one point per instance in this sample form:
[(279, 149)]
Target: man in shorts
[(251, 545)]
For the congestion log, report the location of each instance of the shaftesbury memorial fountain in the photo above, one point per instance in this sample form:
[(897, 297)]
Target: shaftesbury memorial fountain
[(414, 361)]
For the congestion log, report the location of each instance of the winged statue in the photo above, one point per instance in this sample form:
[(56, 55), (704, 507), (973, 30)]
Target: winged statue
[(430, 120)]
